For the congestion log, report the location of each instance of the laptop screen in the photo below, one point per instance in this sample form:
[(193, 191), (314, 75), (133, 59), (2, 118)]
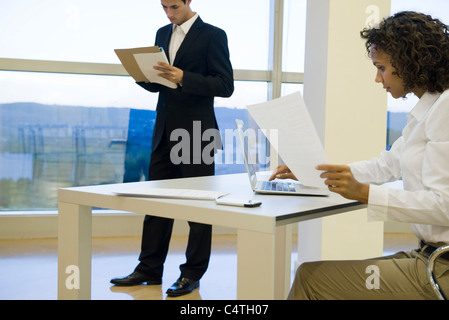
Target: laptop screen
[(246, 156)]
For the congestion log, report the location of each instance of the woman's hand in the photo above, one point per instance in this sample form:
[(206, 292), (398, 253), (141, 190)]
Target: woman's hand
[(282, 172), (339, 179)]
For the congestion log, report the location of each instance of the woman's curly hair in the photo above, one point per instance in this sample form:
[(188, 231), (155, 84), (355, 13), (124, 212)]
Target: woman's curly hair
[(419, 48)]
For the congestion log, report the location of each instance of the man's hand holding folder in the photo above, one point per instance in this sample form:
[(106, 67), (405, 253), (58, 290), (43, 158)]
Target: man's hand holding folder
[(140, 63)]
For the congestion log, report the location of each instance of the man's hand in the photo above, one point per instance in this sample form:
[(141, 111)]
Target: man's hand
[(339, 179), (170, 72)]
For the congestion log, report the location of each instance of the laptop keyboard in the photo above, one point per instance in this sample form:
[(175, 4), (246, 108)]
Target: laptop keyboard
[(278, 186)]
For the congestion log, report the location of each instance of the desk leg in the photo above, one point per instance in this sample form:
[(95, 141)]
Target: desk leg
[(264, 264), (74, 251), (283, 261)]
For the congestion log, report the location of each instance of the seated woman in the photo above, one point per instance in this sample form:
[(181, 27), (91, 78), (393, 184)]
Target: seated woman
[(411, 54)]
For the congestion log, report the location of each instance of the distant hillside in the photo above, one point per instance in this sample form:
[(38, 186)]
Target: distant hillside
[(226, 117), (13, 115), (17, 117), (28, 113), (23, 113)]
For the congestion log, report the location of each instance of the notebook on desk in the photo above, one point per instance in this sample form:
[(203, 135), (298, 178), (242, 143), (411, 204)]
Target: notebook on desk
[(271, 187)]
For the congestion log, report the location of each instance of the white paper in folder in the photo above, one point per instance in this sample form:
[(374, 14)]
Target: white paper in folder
[(146, 61), (297, 142)]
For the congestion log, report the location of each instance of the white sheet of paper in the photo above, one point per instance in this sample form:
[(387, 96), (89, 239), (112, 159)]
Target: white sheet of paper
[(297, 142), (147, 61)]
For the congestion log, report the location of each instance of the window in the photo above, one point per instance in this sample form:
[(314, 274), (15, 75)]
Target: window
[(82, 31), (246, 23), (88, 31), (71, 119), (61, 130), (294, 35)]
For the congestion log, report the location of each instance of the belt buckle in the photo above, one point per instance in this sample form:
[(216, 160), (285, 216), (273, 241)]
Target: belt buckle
[(429, 249)]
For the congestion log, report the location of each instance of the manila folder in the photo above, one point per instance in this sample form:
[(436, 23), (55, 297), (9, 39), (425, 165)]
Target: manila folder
[(130, 64)]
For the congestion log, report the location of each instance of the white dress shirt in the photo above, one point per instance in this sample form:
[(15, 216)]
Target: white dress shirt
[(178, 36), (421, 158)]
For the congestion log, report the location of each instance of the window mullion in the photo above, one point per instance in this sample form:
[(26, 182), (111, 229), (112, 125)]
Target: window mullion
[(275, 60)]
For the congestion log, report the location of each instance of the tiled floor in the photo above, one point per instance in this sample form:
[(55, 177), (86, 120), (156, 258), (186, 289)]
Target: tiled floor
[(28, 268)]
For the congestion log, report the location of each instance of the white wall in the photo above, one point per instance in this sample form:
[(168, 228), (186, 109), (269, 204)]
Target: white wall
[(349, 110)]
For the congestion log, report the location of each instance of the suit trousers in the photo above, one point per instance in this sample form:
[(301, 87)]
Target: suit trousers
[(157, 231), (401, 276)]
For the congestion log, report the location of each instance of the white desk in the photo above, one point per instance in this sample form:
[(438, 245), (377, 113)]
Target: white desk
[(263, 233)]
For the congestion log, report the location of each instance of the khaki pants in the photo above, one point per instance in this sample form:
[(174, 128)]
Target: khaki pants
[(401, 276)]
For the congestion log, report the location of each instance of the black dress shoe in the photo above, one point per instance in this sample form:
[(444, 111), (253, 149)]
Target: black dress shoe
[(182, 286), (135, 279)]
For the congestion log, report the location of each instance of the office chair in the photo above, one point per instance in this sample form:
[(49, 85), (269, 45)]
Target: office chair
[(430, 268)]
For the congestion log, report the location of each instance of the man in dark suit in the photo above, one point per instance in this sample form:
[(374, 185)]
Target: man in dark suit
[(201, 69)]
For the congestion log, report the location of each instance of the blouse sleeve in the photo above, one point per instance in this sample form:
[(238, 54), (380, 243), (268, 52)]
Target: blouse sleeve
[(380, 170), (425, 198)]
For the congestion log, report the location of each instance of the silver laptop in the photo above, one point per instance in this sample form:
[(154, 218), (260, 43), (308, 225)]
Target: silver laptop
[(271, 187)]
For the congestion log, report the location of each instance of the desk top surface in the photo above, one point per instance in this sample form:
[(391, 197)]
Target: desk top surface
[(275, 209)]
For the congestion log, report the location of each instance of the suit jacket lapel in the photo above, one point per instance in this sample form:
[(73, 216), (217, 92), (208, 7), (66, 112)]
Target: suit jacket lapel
[(193, 33), (164, 39)]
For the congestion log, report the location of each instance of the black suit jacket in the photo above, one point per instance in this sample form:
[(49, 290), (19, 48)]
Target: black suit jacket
[(204, 58)]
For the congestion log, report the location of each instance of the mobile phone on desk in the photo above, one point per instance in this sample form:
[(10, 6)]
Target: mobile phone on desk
[(238, 202)]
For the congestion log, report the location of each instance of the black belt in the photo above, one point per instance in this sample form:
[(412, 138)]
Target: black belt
[(428, 250)]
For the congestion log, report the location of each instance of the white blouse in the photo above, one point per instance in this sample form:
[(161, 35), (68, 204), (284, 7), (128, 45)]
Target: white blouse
[(421, 158)]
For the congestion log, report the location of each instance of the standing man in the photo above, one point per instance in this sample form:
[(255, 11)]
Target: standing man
[(201, 69)]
